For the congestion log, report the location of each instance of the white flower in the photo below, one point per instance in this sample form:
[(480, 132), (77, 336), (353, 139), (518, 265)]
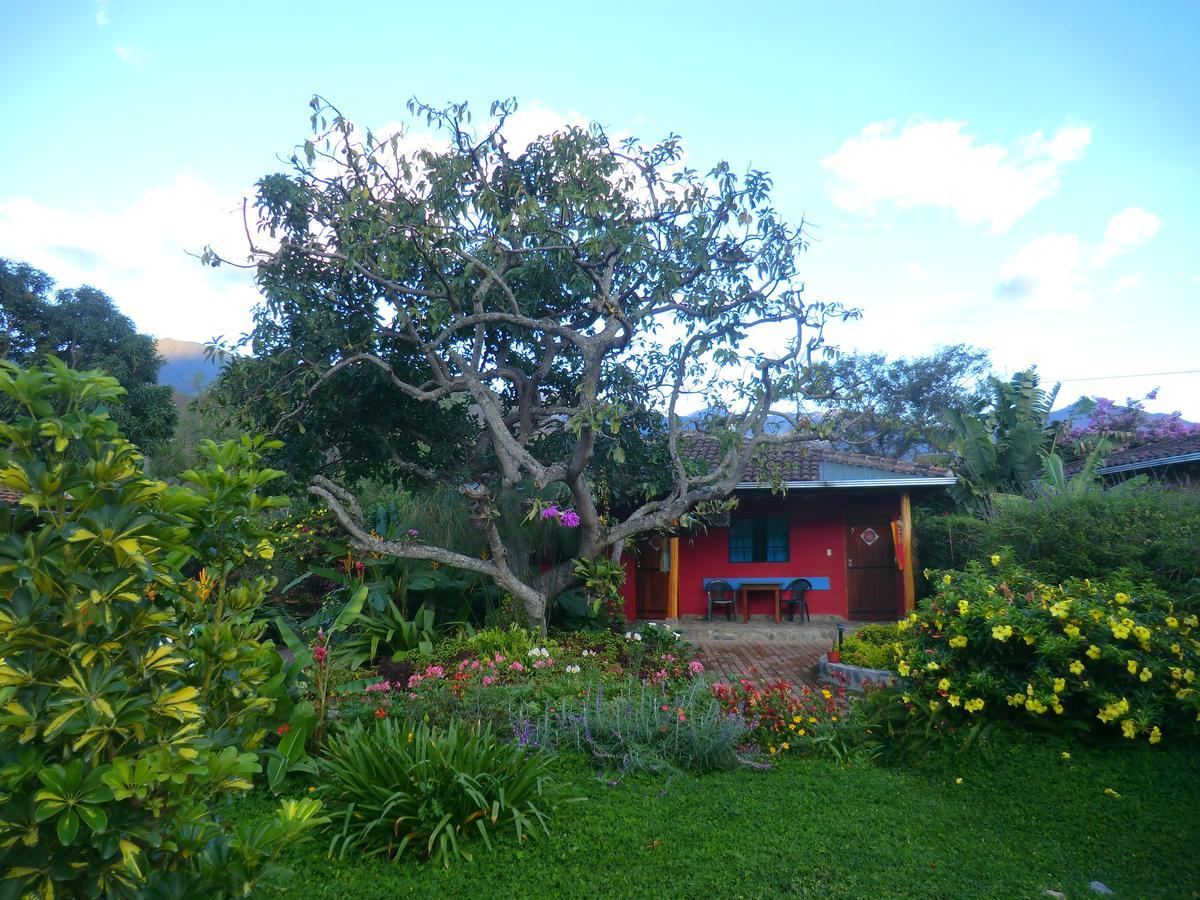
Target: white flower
[(637, 637), (539, 651), (629, 635), (572, 669)]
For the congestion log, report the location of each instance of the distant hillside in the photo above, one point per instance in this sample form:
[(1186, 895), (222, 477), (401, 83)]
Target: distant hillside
[(187, 369)]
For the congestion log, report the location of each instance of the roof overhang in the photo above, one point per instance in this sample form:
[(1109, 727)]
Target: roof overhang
[(931, 481), (1150, 463)]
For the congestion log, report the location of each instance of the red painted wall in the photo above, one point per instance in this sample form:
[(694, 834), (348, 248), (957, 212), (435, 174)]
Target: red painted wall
[(818, 524)]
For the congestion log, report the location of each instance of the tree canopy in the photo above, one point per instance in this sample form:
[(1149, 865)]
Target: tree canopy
[(514, 318), (83, 328), (899, 407)]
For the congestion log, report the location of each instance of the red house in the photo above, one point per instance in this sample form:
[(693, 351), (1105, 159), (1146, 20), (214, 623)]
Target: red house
[(843, 523)]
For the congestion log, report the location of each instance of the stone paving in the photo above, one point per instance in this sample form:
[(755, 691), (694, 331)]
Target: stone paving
[(762, 649)]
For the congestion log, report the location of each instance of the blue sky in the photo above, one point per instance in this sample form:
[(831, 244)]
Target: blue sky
[(1024, 177)]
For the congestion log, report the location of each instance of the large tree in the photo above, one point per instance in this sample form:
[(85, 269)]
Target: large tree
[(83, 328), (899, 407), (503, 316)]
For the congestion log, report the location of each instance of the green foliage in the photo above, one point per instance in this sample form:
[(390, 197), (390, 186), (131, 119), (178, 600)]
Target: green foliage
[(1152, 531), (895, 407), (871, 647), (386, 633), (639, 728), (86, 330), (1098, 654), (118, 733), (999, 449), (405, 786)]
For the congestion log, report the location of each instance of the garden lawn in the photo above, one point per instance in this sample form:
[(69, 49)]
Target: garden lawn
[(1022, 820)]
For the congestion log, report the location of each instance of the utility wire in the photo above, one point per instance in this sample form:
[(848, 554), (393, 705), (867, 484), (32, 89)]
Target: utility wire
[(1135, 375)]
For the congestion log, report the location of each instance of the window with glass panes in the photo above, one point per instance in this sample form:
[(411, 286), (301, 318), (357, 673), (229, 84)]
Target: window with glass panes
[(758, 540)]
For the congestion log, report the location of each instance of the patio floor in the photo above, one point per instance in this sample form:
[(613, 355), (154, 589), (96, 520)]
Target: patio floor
[(762, 649)]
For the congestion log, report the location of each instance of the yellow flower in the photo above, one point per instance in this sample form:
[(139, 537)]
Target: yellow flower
[(785, 746), (1076, 667), (1188, 675), (963, 607), (944, 684), (1155, 735), (1034, 705), (973, 705), (1132, 666), (1058, 709), (902, 625), (1146, 674), (1059, 609), (1016, 700), (954, 699), (1172, 622), (926, 574), (1066, 755), (265, 550), (958, 781), (959, 640), (945, 579), (1142, 633), (1071, 630), (903, 669), (1060, 685), (1002, 632), (1190, 621), (1093, 651), (825, 693), (995, 559), (1175, 648), (1030, 640), (935, 705), (932, 666), (1122, 598), (1128, 728), (797, 719)]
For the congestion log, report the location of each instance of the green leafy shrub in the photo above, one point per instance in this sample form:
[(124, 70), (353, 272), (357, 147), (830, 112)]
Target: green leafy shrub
[(871, 647), (111, 756), (1150, 530), (386, 633), (637, 727), (1104, 652), (405, 786)]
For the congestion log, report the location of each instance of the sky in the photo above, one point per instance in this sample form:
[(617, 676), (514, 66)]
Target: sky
[(1023, 177)]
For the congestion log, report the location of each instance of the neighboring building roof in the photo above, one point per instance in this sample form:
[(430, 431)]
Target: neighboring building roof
[(1148, 456), (10, 497), (803, 463)]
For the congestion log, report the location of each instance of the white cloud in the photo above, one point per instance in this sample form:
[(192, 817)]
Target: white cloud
[(1127, 229), (1048, 274), (138, 256), (914, 271), (938, 164), (102, 12), (1128, 283), (131, 55)]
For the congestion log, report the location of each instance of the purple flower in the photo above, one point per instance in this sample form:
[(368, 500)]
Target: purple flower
[(551, 512), (412, 532), (570, 518)]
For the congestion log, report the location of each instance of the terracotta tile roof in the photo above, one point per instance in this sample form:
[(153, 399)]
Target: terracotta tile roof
[(1147, 456), (11, 497), (800, 460)]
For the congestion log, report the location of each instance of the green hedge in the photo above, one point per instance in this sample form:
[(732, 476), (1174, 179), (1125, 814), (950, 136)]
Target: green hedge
[(1151, 531)]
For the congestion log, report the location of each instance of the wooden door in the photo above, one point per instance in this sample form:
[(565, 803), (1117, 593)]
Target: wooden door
[(653, 577), (870, 571)]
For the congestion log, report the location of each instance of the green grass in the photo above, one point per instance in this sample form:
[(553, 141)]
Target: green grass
[(1021, 821)]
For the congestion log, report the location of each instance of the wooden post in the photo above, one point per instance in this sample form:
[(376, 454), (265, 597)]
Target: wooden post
[(673, 582), (910, 562)]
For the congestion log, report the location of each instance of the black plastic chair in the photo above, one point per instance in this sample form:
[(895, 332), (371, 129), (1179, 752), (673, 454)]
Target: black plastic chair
[(721, 593), (794, 592)]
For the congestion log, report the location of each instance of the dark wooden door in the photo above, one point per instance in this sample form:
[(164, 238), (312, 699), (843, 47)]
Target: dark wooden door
[(870, 571), (653, 577)]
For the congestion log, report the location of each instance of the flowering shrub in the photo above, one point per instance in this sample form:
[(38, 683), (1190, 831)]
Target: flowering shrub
[(777, 717), (1104, 652)]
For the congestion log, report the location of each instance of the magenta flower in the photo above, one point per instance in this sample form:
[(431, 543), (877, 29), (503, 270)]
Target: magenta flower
[(551, 512), (570, 518), (412, 532)]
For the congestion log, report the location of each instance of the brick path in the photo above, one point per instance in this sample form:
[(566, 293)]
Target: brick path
[(794, 661)]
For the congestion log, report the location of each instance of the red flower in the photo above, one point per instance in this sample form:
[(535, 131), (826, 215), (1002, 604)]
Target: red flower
[(381, 713), (283, 729)]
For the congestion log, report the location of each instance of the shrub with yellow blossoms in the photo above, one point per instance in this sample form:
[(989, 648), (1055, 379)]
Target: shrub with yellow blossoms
[(1105, 652)]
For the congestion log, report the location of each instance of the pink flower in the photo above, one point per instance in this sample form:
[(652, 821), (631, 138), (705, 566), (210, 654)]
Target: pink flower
[(517, 667), (413, 681), (695, 667), (488, 679), (319, 653), (570, 518), (379, 686), (435, 672), (551, 512)]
